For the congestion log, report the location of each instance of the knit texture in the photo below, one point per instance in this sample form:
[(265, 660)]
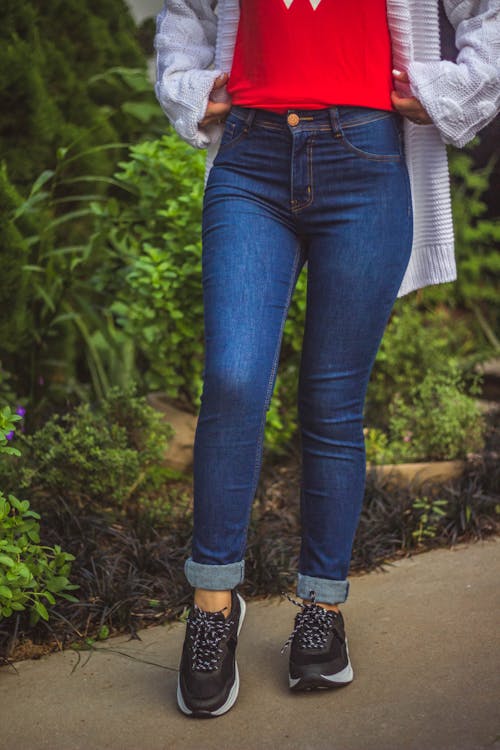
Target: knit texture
[(460, 97), (194, 44), (185, 42)]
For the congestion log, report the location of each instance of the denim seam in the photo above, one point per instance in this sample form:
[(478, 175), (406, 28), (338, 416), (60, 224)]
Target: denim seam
[(273, 126), (339, 134), (365, 155), (269, 125), (234, 141), (296, 206), (366, 120), (293, 280)]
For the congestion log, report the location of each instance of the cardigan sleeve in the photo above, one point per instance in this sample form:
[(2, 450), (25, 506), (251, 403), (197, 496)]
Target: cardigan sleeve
[(462, 97), (185, 41)]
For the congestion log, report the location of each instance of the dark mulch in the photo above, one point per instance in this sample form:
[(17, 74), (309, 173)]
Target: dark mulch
[(131, 574)]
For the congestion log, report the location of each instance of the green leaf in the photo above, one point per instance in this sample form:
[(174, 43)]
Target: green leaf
[(50, 598), (69, 597), (11, 451), (23, 571), (57, 583), (40, 181), (5, 592), (41, 609), (10, 547), (8, 561), (103, 633)]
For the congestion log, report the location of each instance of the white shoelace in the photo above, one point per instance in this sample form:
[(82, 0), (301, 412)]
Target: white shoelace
[(312, 625), (206, 631)]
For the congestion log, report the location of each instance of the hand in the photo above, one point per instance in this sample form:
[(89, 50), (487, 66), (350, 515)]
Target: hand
[(408, 106), (216, 112)]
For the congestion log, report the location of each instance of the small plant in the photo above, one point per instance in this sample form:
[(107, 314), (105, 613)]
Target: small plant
[(415, 342), (377, 446), (31, 574), (438, 422), (429, 512), (104, 457), (8, 420)]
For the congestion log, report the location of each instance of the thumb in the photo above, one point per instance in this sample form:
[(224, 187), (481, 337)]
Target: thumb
[(400, 76), (220, 81)]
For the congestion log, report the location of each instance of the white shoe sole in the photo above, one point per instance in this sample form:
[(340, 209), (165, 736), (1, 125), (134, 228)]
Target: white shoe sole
[(233, 693), (344, 677)]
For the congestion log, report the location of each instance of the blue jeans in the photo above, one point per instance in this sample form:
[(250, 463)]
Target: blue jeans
[(332, 190)]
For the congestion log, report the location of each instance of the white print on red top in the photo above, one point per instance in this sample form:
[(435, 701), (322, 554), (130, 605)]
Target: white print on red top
[(314, 3)]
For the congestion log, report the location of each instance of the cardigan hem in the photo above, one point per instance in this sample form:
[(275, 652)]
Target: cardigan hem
[(443, 268)]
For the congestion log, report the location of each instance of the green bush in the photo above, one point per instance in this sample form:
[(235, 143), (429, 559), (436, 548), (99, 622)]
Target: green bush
[(476, 242), (60, 334), (52, 60), (439, 421), (153, 232), (416, 342), (74, 75), (107, 457), (29, 572), (14, 322)]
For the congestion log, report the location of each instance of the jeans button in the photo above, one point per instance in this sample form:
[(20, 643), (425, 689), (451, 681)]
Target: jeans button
[(293, 119)]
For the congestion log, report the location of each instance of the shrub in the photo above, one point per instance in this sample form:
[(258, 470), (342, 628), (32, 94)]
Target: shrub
[(156, 236), (439, 421), (476, 241), (15, 254), (104, 457), (29, 572), (416, 342), (48, 59), (153, 231), (74, 75)]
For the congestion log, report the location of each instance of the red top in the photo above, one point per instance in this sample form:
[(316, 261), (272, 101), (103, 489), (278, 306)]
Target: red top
[(309, 54)]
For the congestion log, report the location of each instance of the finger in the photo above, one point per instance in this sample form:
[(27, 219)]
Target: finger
[(211, 121), (405, 101), (414, 112), (215, 112), (408, 106), (217, 109), (400, 76), (220, 81)]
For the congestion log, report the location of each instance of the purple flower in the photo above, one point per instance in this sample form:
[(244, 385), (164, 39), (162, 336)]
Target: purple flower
[(9, 435), (20, 411)]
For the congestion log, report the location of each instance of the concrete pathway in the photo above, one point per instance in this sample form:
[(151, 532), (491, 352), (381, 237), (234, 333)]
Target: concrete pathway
[(424, 642)]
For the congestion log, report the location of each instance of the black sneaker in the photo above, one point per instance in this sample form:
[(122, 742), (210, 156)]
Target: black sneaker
[(319, 656), (208, 675)]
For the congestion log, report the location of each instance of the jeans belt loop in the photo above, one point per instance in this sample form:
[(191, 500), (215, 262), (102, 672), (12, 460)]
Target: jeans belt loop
[(250, 117), (335, 121)]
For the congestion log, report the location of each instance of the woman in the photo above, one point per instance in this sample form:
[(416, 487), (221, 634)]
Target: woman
[(327, 122)]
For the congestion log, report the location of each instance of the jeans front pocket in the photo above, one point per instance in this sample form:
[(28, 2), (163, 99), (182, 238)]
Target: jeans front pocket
[(371, 134), (234, 131)]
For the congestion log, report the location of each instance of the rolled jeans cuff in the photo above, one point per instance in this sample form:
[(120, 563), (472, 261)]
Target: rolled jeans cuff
[(214, 577), (325, 590)]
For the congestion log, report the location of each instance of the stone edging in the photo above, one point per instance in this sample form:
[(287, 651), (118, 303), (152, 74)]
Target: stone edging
[(418, 473)]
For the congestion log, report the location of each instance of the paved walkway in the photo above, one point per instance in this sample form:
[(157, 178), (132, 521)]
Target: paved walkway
[(424, 642)]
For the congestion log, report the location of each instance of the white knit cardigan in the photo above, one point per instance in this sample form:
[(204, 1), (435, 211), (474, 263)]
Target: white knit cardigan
[(194, 44)]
